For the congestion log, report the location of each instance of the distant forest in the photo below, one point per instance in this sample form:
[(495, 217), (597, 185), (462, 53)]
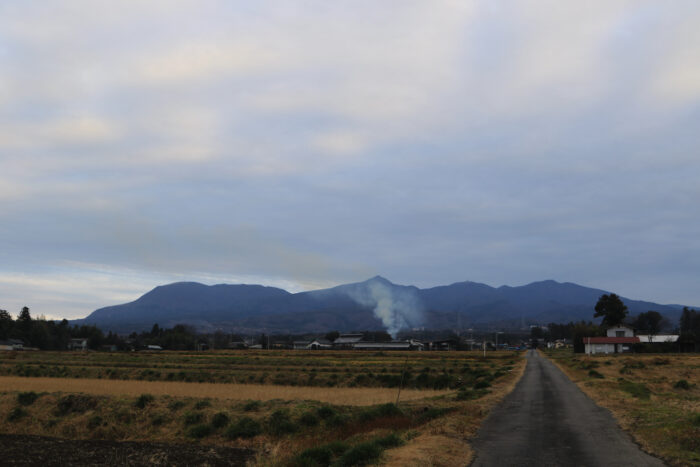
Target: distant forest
[(46, 334)]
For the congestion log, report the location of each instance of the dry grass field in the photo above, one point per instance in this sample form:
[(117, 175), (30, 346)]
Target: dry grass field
[(338, 396), (656, 398), (346, 420)]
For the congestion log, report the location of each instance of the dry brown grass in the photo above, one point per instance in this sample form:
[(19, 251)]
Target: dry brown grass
[(661, 424), (336, 396), (445, 441)]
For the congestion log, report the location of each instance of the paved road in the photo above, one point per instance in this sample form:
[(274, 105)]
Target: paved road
[(548, 421)]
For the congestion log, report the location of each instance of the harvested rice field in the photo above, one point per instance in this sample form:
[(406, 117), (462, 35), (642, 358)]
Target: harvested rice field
[(421, 370), (293, 412)]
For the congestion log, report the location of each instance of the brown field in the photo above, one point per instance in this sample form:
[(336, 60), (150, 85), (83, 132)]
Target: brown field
[(655, 398), (331, 397), (336, 396), (445, 442)]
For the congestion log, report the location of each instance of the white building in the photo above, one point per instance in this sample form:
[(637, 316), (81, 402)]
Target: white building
[(619, 339)]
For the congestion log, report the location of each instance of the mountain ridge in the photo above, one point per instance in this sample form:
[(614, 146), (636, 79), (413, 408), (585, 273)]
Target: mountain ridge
[(374, 304)]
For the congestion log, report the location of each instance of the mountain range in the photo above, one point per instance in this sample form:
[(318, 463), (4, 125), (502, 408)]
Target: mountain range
[(374, 304)]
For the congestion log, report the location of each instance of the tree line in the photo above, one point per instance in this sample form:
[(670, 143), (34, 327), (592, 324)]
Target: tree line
[(614, 313), (48, 334)]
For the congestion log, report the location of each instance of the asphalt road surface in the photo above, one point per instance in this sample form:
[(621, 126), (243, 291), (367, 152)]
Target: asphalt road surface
[(548, 421)]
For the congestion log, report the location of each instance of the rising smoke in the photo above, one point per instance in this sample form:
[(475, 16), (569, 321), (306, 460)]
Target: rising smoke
[(397, 308)]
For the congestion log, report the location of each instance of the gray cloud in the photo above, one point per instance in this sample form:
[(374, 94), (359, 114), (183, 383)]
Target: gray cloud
[(307, 144)]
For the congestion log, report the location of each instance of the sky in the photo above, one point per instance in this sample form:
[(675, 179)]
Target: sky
[(304, 144)]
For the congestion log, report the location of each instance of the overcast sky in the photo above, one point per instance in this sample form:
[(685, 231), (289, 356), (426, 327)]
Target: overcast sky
[(305, 144)]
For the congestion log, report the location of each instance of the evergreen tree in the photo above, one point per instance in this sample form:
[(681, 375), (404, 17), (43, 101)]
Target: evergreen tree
[(612, 309)]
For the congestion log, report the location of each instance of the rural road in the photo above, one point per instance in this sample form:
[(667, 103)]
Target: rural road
[(548, 421)]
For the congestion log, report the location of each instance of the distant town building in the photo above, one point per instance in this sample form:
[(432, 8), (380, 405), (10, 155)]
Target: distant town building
[(78, 344), (346, 341), (393, 345)]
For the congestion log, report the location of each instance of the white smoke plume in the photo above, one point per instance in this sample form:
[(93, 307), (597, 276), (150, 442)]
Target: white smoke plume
[(397, 308)]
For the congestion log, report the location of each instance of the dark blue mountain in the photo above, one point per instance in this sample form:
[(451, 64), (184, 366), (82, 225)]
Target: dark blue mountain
[(348, 307)]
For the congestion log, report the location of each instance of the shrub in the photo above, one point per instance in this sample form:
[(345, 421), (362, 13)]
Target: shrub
[(337, 420), (389, 441), (27, 398), (176, 405), (279, 423), (219, 420), (595, 374), (94, 422), (309, 419), (638, 390), (325, 412), (466, 395), (193, 417), (682, 384), (320, 455), (430, 413), (201, 430), (384, 410), (360, 454), (482, 385), (245, 427), (16, 413), (252, 406), (158, 420), (202, 404), (75, 403), (143, 401)]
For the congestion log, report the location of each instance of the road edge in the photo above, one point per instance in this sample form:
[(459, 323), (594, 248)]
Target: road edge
[(590, 394), (450, 437)]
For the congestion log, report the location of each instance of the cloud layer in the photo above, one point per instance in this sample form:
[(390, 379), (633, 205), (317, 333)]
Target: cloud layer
[(310, 143)]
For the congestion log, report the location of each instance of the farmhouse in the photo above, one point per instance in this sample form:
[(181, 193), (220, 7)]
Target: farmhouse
[(393, 345), (6, 345), (237, 345), (447, 344), (78, 344), (658, 338), (346, 341), (12, 344), (619, 339)]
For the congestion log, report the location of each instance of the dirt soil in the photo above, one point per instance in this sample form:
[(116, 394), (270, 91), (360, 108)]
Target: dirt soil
[(25, 450)]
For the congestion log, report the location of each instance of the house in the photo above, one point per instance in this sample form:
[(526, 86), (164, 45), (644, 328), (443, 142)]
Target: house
[(447, 344), (12, 344), (658, 338), (236, 345), (620, 331), (6, 345), (320, 344), (393, 345), (316, 344), (619, 339), (80, 343), (346, 341)]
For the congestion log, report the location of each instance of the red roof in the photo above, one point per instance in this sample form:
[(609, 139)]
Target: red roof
[(610, 340)]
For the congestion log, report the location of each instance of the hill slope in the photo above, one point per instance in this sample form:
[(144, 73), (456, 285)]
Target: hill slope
[(374, 304)]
